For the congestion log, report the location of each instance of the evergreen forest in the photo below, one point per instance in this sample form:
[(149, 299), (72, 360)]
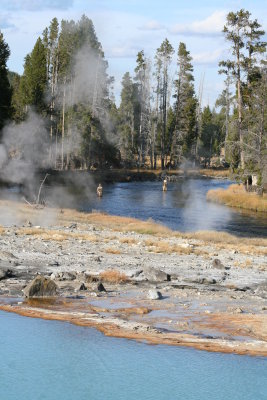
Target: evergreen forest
[(65, 105)]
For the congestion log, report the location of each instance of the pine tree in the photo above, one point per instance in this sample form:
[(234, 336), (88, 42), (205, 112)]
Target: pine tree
[(244, 36), (184, 137), (127, 114), (142, 78), (5, 89), (34, 80), (163, 60)]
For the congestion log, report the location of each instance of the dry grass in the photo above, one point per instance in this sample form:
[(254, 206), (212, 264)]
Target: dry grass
[(219, 240), (237, 196), (2, 230), (128, 240), (112, 250), (122, 224), (56, 235), (113, 276), (165, 247), (224, 240), (246, 264), (224, 173)]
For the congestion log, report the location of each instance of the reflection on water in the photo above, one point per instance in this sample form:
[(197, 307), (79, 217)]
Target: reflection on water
[(183, 207)]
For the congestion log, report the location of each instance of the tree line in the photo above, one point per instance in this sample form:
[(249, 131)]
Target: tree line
[(160, 121)]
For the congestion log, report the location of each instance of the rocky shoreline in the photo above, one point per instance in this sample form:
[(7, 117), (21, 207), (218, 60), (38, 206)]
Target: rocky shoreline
[(206, 291)]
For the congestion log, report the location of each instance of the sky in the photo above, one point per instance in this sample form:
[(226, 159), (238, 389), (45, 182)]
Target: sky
[(125, 27)]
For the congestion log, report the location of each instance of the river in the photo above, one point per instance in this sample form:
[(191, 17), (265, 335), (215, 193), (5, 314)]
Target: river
[(183, 207)]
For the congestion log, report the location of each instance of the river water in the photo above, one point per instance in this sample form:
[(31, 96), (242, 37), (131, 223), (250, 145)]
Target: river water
[(183, 207), (45, 360)]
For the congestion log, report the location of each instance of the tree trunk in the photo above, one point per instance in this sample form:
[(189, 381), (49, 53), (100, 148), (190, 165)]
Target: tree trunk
[(63, 126)]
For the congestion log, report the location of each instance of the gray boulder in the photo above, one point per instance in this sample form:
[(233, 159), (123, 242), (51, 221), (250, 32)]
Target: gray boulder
[(41, 287), (5, 273), (154, 295), (100, 287), (156, 275), (216, 263), (261, 290), (66, 276), (83, 287)]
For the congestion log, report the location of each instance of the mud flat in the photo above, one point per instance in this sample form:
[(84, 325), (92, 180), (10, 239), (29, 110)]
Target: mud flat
[(211, 286)]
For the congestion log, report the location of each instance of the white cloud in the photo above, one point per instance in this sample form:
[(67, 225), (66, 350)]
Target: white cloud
[(36, 5), (152, 25), (5, 22), (208, 57), (209, 26), (122, 52)]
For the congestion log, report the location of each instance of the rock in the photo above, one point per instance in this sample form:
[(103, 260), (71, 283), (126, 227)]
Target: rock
[(154, 295), (5, 273), (261, 290), (54, 264), (6, 255), (100, 287), (66, 276), (156, 275), (91, 278), (216, 263), (73, 226), (41, 287), (83, 287), (207, 281)]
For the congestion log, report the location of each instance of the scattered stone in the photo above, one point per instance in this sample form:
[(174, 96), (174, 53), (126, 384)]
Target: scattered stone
[(66, 276), (83, 287), (41, 287), (100, 287), (73, 226), (91, 278), (29, 224), (154, 295), (6, 255), (54, 264), (216, 263), (156, 275), (238, 310), (5, 274), (261, 290), (207, 281)]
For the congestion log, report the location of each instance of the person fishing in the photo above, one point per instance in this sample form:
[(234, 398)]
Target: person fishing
[(99, 190), (164, 187)]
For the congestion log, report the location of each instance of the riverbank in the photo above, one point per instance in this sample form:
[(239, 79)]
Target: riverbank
[(237, 196), (213, 284)]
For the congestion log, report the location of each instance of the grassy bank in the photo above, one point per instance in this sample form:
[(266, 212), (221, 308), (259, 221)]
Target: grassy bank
[(51, 221), (237, 196)]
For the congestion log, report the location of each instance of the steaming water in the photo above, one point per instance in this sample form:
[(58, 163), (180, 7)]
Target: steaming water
[(45, 360), (183, 207)]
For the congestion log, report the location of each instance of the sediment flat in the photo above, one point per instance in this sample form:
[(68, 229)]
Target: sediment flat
[(213, 285)]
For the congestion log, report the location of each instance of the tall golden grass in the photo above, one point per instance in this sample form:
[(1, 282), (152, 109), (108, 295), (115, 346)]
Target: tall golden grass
[(112, 250), (101, 221), (56, 235), (165, 247), (237, 196), (223, 173), (113, 276)]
